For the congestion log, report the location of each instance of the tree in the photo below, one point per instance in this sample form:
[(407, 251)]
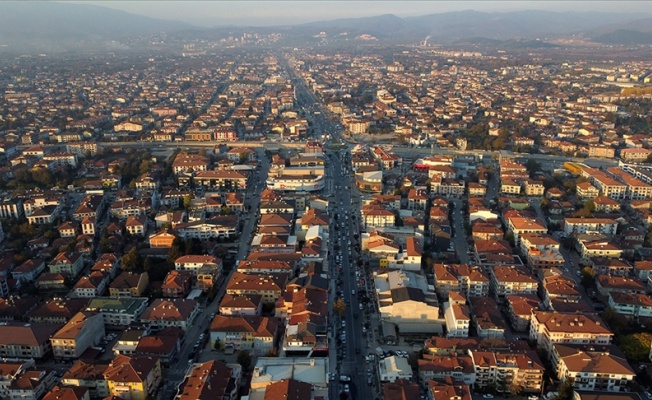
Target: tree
[(339, 307), (588, 277), (187, 201), (132, 261), (636, 347), (244, 359), (565, 390), (590, 205)]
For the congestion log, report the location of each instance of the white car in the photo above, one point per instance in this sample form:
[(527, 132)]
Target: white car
[(487, 396)]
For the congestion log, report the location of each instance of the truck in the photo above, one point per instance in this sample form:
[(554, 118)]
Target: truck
[(379, 352)]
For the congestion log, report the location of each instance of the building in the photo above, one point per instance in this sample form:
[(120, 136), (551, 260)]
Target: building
[(194, 263), (469, 280), (393, 368), (550, 327), (592, 368), (605, 226), (26, 340), (164, 313), (129, 284), (134, 378), (118, 311), (84, 330), (507, 280), (211, 380), (255, 334)]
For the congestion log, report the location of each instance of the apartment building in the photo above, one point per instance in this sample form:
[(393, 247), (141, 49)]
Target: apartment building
[(592, 368), (550, 327), (84, 330), (469, 280), (520, 225), (507, 280), (605, 226)]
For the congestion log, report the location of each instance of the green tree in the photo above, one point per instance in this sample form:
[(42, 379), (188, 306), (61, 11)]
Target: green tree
[(244, 359), (187, 201), (132, 260), (636, 347), (590, 205)]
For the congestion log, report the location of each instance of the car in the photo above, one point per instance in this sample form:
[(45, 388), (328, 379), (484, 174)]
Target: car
[(345, 378), (648, 395), (346, 388), (487, 396), (190, 361)]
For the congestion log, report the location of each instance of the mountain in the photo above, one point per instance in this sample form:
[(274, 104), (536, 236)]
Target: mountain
[(46, 24), (625, 37), (460, 25)]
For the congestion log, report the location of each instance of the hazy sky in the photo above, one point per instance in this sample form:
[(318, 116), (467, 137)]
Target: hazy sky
[(273, 12)]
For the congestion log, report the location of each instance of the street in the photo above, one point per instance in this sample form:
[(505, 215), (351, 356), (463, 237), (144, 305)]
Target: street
[(176, 373)]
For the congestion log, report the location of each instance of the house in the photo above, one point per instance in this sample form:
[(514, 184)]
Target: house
[(28, 271), (87, 375), (90, 286), (269, 286), (31, 384), (193, 263), (129, 284), (70, 264), (68, 229), (241, 305), (165, 345), (22, 340), (177, 284), (255, 334), (448, 389), (88, 226), (68, 393), (211, 380), (134, 378), (164, 313), (136, 225), (84, 330)]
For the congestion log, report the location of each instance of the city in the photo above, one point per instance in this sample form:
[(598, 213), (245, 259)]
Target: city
[(251, 218)]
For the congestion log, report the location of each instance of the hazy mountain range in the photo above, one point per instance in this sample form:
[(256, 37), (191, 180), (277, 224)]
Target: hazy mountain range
[(60, 26)]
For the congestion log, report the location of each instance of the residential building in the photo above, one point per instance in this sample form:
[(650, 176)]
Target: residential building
[(134, 378), (84, 330), (129, 284), (21, 340), (211, 380), (549, 327), (164, 313), (255, 334)]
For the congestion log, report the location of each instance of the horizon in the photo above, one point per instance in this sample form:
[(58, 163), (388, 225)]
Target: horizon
[(208, 14)]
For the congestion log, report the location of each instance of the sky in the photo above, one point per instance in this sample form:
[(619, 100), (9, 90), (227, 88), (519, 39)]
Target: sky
[(275, 12)]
